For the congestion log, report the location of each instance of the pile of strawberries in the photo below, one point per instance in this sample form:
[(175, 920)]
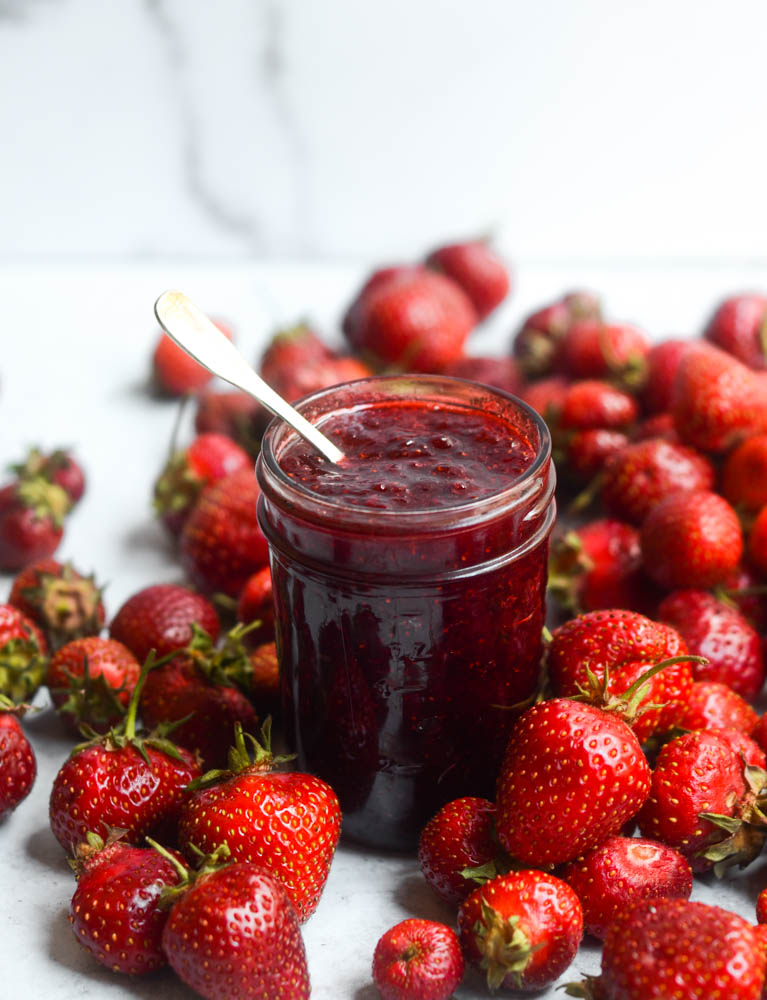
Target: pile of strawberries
[(639, 765)]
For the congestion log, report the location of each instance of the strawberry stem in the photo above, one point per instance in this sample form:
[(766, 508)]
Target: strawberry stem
[(131, 714), (629, 693)]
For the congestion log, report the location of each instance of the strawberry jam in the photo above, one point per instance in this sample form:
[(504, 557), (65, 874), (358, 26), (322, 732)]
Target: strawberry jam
[(409, 586)]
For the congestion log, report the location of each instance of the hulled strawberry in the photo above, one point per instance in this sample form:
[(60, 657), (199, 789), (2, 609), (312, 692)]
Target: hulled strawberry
[(523, 929), (459, 836), (478, 269), (667, 948), (115, 912), (91, 681), (162, 618), (739, 326), (58, 467), (288, 822), (188, 471), (622, 871), (691, 539), (713, 705), (418, 960), (572, 776), (175, 372), (536, 343), (23, 653), (122, 780), (222, 544), (18, 765), (32, 515), (64, 603)]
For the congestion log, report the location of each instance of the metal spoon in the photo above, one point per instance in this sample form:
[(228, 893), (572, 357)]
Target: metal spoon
[(202, 340)]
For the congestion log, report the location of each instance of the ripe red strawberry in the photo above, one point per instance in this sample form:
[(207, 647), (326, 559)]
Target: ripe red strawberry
[(712, 705), (667, 948), (18, 765), (716, 400), (720, 633), (288, 822), (234, 933), (745, 590), (593, 403), (757, 542), (662, 364), (594, 350), (547, 396), (32, 513), (222, 544), (477, 269), (161, 618), (536, 342), (91, 681), (620, 872), (639, 476), (523, 929), (660, 425), (175, 372), (599, 565), (265, 677), (355, 314), (291, 349), (23, 653), (744, 477), (415, 320), (115, 912), (58, 467), (587, 451), (236, 414), (705, 797), (691, 539), (64, 604), (319, 374), (255, 605), (502, 373), (121, 780), (572, 776), (459, 836), (739, 326), (418, 960), (208, 458)]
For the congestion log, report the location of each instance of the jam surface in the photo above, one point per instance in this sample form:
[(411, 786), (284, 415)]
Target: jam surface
[(407, 455)]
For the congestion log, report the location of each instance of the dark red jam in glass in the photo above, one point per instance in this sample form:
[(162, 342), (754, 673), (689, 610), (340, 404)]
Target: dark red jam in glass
[(409, 586)]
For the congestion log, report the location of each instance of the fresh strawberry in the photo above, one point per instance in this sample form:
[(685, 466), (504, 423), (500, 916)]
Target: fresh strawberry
[(175, 372), (265, 677), (23, 653), (691, 539), (745, 590), (18, 765), (236, 414), (712, 705), (759, 733), (705, 799), (91, 681), (757, 542), (599, 565), (459, 836), (63, 603), (621, 871), (222, 544), (547, 397), (523, 929), (716, 400), (594, 350), (659, 425), (477, 269), (234, 933), (572, 776), (161, 618), (315, 374), (659, 949), (587, 451), (719, 633), (255, 605), (642, 474), (412, 321), (291, 349), (357, 311), (288, 822), (209, 458), (744, 477), (662, 364), (501, 373), (58, 467), (594, 403), (418, 960), (120, 780), (115, 912), (32, 513), (739, 326), (536, 342)]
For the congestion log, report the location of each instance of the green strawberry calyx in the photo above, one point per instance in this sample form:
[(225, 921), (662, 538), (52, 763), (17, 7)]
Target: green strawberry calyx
[(746, 828), (90, 697), (587, 989), (228, 665), (187, 877), (256, 757), (22, 668), (505, 948)]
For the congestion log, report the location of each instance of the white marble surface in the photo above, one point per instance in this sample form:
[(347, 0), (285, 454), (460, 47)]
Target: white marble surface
[(72, 371), (338, 128)]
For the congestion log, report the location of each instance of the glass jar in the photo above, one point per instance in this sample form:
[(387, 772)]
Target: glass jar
[(407, 637)]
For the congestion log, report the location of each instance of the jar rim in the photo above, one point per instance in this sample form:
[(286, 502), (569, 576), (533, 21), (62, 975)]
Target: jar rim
[(276, 483)]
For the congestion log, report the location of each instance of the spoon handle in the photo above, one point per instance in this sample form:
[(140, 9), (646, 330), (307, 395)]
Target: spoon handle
[(196, 334)]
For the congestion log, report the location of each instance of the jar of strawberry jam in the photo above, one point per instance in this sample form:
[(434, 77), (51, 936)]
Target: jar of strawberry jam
[(409, 584)]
